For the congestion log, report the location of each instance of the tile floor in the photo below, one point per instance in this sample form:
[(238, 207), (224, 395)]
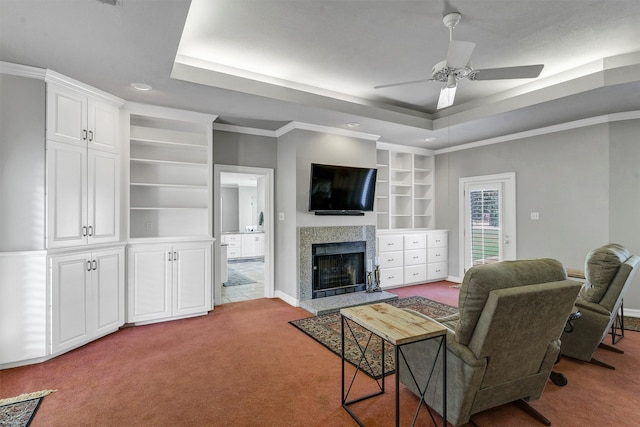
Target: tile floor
[(253, 269)]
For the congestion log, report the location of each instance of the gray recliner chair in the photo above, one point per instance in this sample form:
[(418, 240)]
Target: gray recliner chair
[(608, 272), (503, 342)]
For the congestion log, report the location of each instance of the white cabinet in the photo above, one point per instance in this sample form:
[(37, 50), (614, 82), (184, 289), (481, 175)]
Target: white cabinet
[(437, 255), (169, 173), (75, 117), (87, 297), (253, 245), (412, 258), (404, 188), (244, 245), (168, 281), (83, 196)]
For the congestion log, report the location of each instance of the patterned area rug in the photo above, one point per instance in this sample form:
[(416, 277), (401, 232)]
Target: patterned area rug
[(19, 411), (326, 329), (632, 323)]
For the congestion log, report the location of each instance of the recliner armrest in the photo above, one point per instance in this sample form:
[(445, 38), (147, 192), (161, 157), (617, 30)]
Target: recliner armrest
[(582, 304)]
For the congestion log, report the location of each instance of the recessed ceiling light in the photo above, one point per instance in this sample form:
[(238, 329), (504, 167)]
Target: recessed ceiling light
[(353, 124), (430, 139), (141, 86)]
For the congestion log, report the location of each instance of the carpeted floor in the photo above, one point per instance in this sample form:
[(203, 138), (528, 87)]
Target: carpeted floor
[(326, 329)]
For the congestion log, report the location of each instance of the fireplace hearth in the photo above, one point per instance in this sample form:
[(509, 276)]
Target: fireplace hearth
[(338, 268)]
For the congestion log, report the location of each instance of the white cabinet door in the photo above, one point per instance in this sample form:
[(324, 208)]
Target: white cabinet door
[(390, 243), (66, 115), (415, 273), (191, 278), (149, 282), (166, 281), (70, 301), (103, 210), (253, 245), (73, 117), (102, 125), (107, 282), (66, 195), (415, 241)]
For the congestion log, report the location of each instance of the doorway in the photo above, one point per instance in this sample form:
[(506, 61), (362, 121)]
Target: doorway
[(243, 228), (488, 228)]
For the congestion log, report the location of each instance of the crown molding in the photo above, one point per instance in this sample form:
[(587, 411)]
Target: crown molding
[(325, 129), (22, 70), (245, 130), (607, 118)]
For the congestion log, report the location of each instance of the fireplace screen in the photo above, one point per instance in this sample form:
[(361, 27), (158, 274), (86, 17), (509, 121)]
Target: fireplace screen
[(338, 268)]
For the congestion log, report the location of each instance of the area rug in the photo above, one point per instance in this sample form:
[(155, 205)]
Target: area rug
[(632, 323), (326, 329), (19, 411), (236, 279)]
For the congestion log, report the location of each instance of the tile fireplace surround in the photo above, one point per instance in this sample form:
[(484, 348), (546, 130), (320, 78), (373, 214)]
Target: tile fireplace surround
[(308, 236)]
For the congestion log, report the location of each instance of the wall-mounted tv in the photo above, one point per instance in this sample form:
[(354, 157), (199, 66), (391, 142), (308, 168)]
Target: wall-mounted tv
[(341, 190)]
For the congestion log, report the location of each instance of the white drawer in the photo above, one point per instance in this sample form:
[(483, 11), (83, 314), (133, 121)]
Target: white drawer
[(418, 256), (391, 277), (391, 259), (390, 243), (234, 252), (415, 273), (415, 241), (437, 270), (437, 255), (438, 240)]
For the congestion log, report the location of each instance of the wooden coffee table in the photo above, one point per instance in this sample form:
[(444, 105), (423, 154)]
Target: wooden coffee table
[(398, 327)]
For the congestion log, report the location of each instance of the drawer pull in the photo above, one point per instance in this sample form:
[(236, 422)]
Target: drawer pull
[(416, 257), (390, 277), (390, 244), (390, 259), (415, 242), (416, 274)]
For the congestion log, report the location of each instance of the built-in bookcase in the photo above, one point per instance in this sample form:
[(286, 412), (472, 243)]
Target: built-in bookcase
[(169, 173), (404, 190)]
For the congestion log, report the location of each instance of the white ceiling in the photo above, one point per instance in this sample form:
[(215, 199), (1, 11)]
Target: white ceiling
[(265, 63)]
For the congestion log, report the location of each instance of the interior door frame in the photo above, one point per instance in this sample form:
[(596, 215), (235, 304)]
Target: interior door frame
[(268, 227), (508, 180)]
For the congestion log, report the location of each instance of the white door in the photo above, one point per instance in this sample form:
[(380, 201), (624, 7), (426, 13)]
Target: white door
[(489, 226), (70, 299), (107, 282), (191, 278), (149, 282), (66, 195), (66, 115), (102, 125), (103, 197)]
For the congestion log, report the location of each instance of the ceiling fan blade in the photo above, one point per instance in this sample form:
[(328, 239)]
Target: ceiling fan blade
[(403, 83), (523, 72), (459, 53), (447, 95)]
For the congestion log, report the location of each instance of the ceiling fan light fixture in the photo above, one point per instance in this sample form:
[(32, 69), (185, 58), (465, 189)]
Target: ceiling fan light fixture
[(451, 81), (447, 94)]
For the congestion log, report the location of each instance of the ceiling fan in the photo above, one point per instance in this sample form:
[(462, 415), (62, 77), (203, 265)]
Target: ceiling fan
[(457, 66)]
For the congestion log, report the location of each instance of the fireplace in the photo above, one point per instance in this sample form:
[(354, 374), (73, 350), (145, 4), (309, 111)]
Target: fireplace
[(338, 268)]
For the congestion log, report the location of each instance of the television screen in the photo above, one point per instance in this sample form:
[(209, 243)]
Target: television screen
[(341, 189)]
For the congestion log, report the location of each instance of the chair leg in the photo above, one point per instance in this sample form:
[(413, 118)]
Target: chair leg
[(601, 363), (610, 348), (532, 411)]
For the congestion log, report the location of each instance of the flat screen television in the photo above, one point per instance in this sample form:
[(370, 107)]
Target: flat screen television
[(341, 190)]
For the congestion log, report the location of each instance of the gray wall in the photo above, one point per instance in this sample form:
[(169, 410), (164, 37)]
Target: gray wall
[(230, 214), (22, 163), (239, 149), (583, 182), (296, 151)]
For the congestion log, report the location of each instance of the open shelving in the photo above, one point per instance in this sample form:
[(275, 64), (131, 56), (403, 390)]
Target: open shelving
[(404, 190), (169, 173)]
